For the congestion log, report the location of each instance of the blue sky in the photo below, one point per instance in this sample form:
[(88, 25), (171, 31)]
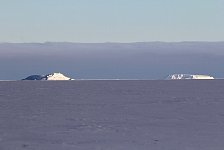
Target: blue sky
[(111, 20)]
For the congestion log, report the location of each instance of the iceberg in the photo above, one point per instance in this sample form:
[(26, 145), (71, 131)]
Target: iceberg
[(52, 76), (188, 76)]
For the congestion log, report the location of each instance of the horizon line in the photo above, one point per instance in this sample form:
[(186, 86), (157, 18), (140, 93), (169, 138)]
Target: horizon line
[(71, 42)]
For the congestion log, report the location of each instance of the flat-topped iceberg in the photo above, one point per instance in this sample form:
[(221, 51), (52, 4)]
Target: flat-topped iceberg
[(52, 76), (188, 76)]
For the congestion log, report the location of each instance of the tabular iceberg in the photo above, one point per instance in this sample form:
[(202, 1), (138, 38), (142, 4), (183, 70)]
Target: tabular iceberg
[(188, 76)]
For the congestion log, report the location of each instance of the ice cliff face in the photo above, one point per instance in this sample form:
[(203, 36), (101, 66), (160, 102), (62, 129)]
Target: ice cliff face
[(52, 76), (187, 76)]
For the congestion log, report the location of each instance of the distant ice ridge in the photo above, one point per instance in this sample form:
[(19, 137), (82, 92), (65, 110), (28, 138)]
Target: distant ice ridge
[(188, 76), (52, 76)]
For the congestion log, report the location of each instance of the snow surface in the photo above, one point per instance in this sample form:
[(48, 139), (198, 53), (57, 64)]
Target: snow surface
[(52, 76), (187, 76), (112, 115)]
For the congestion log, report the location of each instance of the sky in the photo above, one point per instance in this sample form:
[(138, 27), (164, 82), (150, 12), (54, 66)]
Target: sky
[(93, 21), (152, 60)]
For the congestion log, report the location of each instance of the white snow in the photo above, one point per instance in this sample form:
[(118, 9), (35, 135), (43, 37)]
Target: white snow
[(57, 76), (188, 76)]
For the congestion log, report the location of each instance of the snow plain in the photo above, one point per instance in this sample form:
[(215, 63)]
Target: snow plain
[(112, 115)]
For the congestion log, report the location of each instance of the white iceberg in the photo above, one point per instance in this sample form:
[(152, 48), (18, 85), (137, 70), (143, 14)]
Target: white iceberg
[(188, 76), (52, 76)]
